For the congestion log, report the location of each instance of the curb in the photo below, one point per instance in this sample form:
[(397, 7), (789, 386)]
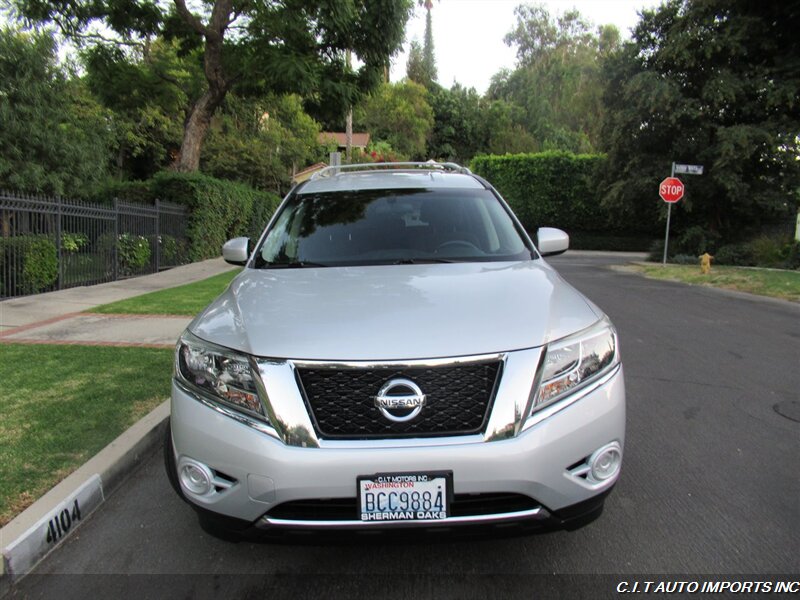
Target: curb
[(45, 524)]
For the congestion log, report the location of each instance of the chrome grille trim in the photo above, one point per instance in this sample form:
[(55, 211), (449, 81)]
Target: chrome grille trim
[(455, 361), (459, 393), (539, 513)]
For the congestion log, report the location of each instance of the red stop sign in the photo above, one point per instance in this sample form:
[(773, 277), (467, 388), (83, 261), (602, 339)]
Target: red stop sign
[(671, 189)]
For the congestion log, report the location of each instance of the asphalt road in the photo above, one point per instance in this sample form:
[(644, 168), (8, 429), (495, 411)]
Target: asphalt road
[(710, 482)]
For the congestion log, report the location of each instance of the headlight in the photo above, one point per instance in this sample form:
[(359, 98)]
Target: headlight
[(574, 361), (220, 374)]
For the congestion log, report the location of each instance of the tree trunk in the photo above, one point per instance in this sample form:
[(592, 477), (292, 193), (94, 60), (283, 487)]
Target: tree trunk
[(195, 130), (196, 126)]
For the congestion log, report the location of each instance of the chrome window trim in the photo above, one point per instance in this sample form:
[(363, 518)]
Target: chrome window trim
[(539, 513)]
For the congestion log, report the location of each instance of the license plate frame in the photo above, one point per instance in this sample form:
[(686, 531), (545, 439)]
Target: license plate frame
[(408, 483)]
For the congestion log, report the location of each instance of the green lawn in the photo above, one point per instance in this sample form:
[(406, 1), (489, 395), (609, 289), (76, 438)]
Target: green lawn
[(187, 299), (764, 282), (60, 405)]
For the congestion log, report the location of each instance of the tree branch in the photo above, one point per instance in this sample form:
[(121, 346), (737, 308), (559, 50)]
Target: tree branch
[(190, 19), (220, 15)]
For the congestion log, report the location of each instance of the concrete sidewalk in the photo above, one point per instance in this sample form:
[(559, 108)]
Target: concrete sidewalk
[(55, 317), (17, 312)]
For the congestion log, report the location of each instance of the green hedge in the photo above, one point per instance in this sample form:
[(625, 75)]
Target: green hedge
[(28, 264), (554, 189), (219, 209)]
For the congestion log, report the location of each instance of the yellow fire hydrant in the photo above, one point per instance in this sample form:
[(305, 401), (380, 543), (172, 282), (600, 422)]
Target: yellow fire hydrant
[(705, 263)]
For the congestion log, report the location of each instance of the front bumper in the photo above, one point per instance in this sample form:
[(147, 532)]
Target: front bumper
[(539, 463)]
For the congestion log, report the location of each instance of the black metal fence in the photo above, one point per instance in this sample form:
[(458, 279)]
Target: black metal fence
[(53, 243)]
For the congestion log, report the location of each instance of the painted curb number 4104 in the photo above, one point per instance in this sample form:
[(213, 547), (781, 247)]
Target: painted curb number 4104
[(60, 524)]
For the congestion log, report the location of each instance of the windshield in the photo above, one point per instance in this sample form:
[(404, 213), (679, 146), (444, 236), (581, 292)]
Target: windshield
[(370, 227)]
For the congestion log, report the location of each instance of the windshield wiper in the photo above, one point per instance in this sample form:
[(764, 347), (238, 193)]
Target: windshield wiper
[(423, 261), (298, 264)]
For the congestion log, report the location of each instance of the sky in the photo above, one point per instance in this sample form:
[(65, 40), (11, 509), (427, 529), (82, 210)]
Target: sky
[(468, 34)]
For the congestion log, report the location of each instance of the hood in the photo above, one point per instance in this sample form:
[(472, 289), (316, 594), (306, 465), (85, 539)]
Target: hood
[(394, 312)]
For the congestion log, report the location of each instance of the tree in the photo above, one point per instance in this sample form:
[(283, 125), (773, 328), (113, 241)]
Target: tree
[(260, 141), (711, 82), (415, 67), (149, 94), (421, 65), (459, 129), (400, 115), (557, 81), (428, 59), (254, 47), (53, 135)]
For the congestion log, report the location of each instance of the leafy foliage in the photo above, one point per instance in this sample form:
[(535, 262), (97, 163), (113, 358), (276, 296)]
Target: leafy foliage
[(53, 136), (712, 83), (459, 129), (400, 115), (297, 46), (260, 141), (549, 189), (558, 82), (28, 265), (133, 253), (148, 94), (220, 209)]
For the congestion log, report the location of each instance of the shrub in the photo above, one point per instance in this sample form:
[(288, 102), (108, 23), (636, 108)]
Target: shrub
[(263, 209), (738, 255), (219, 210), (28, 264), (684, 259), (173, 250), (695, 241), (656, 252), (133, 253), (74, 242), (791, 255), (129, 191), (768, 251)]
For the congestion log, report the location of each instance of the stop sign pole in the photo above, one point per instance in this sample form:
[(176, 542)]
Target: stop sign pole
[(670, 190)]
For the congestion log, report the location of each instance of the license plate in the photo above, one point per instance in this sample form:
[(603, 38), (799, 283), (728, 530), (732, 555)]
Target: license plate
[(405, 496)]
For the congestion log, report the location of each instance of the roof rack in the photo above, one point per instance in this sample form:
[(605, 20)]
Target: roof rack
[(388, 166)]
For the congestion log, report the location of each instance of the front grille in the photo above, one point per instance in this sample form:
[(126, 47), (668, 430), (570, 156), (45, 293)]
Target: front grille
[(342, 401), (346, 509)]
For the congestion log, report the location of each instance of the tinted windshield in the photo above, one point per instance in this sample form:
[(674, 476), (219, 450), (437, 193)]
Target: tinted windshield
[(386, 227)]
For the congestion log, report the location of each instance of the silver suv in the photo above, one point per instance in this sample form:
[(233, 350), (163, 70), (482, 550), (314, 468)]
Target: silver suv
[(396, 353)]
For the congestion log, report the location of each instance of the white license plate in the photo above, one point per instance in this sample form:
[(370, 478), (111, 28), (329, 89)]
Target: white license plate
[(404, 496)]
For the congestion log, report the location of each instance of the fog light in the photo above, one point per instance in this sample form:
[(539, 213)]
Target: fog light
[(195, 479), (606, 461)]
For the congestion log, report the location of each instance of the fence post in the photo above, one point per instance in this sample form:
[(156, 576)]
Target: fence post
[(116, 238), (158, 235), (59, 254)]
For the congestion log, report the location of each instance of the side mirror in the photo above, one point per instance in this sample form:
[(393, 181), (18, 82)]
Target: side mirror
[(551, 241), (236, 251)]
